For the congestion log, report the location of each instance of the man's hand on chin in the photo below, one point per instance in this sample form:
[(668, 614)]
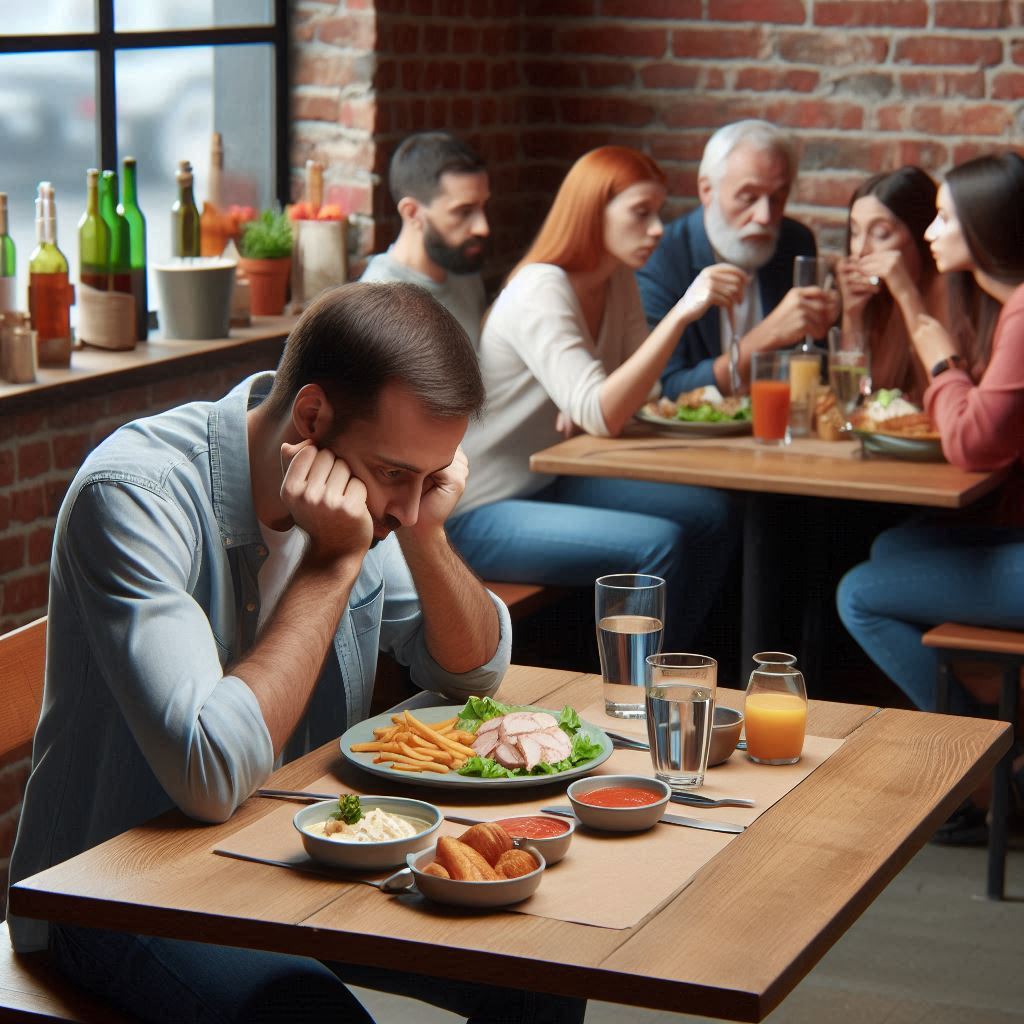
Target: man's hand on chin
[(441, 494)]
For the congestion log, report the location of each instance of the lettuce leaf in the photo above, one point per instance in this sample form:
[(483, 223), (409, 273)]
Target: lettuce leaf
[(707, 413), (479, 709)]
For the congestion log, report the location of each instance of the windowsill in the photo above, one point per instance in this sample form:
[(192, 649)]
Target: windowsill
[(92, 368)]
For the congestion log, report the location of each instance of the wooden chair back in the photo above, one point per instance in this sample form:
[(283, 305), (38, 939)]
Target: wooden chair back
[(22, 660)]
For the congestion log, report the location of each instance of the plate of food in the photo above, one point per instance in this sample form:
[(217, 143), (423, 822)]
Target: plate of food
[(702, 412), (482, 744), (888, 424)]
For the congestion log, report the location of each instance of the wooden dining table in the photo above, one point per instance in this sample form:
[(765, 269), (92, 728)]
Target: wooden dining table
[(807, 467), (731, 942)]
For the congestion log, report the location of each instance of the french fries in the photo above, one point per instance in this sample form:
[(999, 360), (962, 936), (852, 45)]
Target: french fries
[(409, 745)]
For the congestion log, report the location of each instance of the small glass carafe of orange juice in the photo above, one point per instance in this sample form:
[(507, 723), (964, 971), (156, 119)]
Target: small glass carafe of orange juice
[(775, 709)]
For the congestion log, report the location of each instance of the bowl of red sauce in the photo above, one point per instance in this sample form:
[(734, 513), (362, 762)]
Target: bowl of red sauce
[(551, 836), (619, 803)]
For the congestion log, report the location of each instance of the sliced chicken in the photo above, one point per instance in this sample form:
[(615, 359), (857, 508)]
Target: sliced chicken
[(485, 744), (544, 720), (532, 751), (489, 725), (508, 755), (518, 722), (554, 743)]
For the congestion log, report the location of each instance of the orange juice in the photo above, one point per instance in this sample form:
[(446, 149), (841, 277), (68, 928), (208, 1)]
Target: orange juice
[(775, 724), (770, 402)]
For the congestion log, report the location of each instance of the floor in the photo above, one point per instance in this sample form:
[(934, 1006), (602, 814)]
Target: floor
[(929, 949)]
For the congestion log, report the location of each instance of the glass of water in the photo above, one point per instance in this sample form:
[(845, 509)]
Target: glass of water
[(849, 368), (629, 609), (680, 698)]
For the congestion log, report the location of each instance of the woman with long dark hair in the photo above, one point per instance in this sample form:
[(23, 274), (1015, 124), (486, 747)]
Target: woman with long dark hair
[(921, 575), (888, 277), (567, 343)]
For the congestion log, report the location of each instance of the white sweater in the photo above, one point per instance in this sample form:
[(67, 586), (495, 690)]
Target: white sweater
[(538, 357)]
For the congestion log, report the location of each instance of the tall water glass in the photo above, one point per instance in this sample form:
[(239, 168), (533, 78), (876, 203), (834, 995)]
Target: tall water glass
[(629, 609), (849, 368), (680, 708)]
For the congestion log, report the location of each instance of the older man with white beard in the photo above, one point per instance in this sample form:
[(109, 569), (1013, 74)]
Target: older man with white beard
[(744, 180)]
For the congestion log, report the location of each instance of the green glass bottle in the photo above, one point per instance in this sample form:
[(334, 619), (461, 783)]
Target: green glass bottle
[(120, 238), (184, 215), (50, 295), (93, 238), (8, 263), (129, 209)]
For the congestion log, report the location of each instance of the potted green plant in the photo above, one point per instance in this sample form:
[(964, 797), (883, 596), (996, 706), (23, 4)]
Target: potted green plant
[(265, 254)]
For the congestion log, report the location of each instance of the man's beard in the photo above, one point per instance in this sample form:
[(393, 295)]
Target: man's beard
[(730, 243), (454, 259)]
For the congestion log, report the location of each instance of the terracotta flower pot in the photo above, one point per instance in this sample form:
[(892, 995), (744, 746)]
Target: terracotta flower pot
[(268, 284)]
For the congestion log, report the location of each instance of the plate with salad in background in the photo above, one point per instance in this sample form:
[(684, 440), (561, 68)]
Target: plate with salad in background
[(702, 412), (481, 744)]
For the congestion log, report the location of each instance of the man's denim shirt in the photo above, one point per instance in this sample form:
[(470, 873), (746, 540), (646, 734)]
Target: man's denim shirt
[(153, 591)]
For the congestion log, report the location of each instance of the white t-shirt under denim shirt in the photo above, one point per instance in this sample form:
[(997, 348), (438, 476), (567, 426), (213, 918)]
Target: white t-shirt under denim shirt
[(537, 357)]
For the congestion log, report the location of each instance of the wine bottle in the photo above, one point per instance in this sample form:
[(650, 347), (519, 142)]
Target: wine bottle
[(120, 238), (93, 238), (50, 295), (129, 209), (8, 263), (184, 215), (211, 227)]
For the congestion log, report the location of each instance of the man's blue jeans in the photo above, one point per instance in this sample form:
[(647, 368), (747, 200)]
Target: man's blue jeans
[(168, 980), (579, 528), (919, 576)]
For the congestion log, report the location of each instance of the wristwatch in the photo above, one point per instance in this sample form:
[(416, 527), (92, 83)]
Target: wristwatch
[(950, 361)]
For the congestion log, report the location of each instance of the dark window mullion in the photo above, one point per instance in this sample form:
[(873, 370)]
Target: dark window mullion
[(282, 122), (106, 124)]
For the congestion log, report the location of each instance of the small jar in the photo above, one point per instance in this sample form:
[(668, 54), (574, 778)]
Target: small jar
[(775, 709)]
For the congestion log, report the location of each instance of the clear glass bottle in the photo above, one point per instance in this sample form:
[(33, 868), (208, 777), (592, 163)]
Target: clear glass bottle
[(185, 231), (129, 209), (211, 227), (8, 262), (120, 237), (775, 709), (50, 295), (93, 238)]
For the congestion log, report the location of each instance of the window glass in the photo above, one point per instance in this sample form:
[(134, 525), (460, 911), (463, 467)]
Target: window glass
[(157, 15), (48, 128), (169, 103), (49, 17)]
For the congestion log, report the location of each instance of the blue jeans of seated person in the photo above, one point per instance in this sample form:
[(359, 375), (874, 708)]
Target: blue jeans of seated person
[(169, 980), (578, 528), (920, 576)]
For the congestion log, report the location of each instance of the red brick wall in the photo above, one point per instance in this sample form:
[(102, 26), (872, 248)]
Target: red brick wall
[(864, 84)]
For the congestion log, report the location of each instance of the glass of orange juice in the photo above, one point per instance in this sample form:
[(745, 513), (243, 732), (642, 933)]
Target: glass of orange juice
[(775, 709), (770, 396)]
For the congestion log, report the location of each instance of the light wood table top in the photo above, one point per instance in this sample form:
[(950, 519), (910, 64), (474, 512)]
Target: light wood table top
[(810, 467), (732, 944)]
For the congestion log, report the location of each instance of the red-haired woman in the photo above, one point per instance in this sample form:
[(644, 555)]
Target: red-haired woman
[(566, 345)]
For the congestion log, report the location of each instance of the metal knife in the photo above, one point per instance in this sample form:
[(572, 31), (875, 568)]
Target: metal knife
[(696, 800), (669, 819), (295, 794)]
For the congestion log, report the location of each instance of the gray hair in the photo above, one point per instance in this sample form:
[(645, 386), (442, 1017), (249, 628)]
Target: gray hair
[(759, 134)]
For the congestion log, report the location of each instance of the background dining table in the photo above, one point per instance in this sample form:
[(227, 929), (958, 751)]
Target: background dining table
[(782, 540), (731, 942)]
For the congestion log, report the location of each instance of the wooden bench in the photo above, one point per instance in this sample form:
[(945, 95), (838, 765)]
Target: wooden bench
[(952, 642), (30, 989)]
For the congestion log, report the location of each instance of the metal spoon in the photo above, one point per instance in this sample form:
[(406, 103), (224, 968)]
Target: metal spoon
[(400, 881)]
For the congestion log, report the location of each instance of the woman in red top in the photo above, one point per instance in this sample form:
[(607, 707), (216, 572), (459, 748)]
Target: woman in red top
[(921, 575)]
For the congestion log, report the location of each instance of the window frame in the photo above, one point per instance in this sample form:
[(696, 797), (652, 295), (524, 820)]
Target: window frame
[(106, 41)]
